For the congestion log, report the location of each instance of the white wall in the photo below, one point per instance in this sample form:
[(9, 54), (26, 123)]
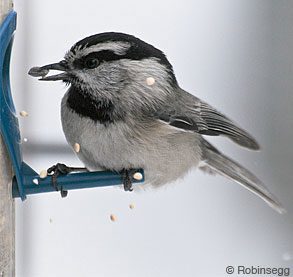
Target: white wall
[(235, 54)]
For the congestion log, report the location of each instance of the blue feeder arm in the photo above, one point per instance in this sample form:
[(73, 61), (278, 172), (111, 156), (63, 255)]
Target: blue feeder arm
[(26, 180)]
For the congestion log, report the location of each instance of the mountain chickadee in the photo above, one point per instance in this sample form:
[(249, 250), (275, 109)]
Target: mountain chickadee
[(126, 110)]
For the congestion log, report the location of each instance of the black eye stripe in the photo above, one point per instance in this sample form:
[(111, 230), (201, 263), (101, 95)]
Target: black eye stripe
[(133, 53), (104, 55)]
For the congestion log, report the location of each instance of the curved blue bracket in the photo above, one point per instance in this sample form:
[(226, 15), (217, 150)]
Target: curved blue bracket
[(26, 180)]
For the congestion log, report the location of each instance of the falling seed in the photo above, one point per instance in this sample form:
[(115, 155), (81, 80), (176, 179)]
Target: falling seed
[(150, 81), (76, 147), (131, 206), (113, 217), (50, 220), (23, 113), (25, 139), (36, 181), (43, 174), (137, 176)]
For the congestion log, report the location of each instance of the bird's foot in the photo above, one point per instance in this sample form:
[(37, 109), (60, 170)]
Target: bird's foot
[(127, 178), (61, 169)]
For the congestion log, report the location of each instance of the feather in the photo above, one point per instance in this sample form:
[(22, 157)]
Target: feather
[(192, 114), (215, 162)]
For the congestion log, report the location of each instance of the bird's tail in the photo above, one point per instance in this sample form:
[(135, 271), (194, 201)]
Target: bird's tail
[(216, 162)]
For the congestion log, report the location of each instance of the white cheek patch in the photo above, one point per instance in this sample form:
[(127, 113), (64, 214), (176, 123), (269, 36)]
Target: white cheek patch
[(86, 80)]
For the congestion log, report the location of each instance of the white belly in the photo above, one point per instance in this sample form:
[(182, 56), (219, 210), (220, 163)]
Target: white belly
[(164, 153)]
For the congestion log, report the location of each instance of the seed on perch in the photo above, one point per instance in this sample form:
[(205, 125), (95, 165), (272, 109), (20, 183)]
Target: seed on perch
[(43, 174), (150, 81), (137, 176), (76, 147), (131, 206), (113, 217), (23, 113), (36, 181)]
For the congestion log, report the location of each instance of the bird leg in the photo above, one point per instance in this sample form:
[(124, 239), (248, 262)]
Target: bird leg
[(62, 169), (127, 178)]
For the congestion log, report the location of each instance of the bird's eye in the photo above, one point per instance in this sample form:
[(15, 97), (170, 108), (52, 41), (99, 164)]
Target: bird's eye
[(91, 63)]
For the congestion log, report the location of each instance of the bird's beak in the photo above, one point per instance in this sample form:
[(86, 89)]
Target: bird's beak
[(44, 70)]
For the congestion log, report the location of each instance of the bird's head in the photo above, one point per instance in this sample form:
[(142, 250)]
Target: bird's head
[(114, 65)]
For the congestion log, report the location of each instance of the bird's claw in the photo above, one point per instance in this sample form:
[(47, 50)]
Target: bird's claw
[(127, 179), (55, 171)]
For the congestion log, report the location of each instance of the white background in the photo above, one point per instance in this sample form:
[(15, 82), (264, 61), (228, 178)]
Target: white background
[(234, 54)]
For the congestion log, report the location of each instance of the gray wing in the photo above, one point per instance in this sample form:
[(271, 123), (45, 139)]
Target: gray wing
[(191, 114)]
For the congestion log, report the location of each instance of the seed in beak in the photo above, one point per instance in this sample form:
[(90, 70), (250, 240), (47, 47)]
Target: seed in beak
[(38, 71)]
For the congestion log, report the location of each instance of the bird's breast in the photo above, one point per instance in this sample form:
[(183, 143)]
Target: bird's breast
[(101, 145), (165, 153)]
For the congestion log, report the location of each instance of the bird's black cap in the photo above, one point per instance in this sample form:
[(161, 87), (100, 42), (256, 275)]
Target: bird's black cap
[(138, 49)]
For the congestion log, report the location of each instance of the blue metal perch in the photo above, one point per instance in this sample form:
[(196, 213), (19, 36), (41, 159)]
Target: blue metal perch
[(26, 180)]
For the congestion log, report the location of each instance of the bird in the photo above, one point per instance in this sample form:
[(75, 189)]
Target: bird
[(126, 110)]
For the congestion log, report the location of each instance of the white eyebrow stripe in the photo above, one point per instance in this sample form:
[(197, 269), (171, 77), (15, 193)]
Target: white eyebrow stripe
[(118, 47)]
